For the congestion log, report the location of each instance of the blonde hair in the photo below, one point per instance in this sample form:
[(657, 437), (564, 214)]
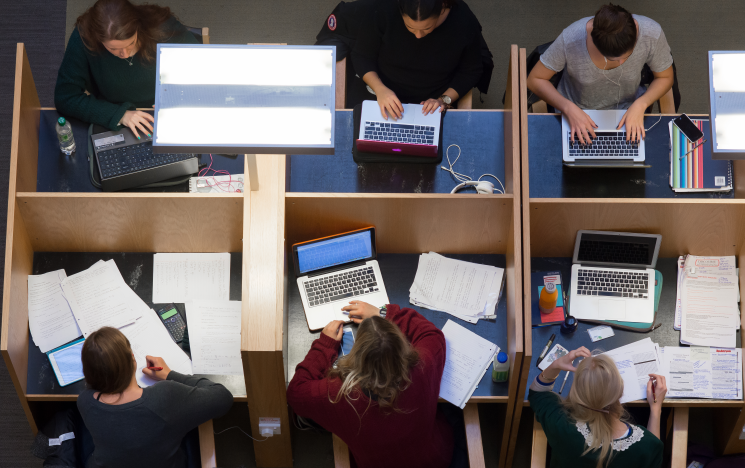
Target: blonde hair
[(379, 364), (595, 400)]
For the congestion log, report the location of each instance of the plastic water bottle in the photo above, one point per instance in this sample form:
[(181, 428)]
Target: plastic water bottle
[(65, 137), (501, 370)]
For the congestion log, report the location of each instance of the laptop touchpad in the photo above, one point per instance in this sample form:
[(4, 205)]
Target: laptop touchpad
[(608, 309)]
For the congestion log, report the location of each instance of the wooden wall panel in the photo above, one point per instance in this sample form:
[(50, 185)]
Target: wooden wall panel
[(512, 125), (24, 147), (137, 222), (406, 224)]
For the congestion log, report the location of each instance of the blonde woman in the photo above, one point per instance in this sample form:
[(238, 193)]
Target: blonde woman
[(381, 399), (591, 429)]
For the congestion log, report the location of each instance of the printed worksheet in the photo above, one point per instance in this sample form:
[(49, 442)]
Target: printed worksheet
[(701, 372), (184, 277), (644, 358), (710, 314), (215, 336), (49, 316)]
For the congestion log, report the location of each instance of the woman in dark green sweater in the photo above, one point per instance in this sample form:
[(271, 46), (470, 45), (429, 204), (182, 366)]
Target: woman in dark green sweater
[(590, 428), (109, 66)]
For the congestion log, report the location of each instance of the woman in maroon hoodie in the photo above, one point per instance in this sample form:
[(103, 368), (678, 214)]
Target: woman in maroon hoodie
[(381, 399)]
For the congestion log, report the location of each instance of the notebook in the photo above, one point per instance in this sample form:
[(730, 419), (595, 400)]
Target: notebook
[(696, 171)]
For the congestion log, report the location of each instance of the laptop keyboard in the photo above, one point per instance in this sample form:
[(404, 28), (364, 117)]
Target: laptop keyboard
[(606, 145), (399, 133), (612, 283), (125, 160), (342, 285)]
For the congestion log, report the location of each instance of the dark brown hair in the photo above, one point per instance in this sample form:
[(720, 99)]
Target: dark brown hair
[(379, 364), (419, 10), (108, 364), (119, 20), (613, 30)]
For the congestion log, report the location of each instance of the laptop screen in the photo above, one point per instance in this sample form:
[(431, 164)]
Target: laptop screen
[(338, 250), (617, 248)]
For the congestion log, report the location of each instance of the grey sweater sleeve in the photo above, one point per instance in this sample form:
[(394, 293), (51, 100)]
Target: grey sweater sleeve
[(194, 401)]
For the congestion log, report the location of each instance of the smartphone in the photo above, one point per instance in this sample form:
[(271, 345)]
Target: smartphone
[(689, 129)]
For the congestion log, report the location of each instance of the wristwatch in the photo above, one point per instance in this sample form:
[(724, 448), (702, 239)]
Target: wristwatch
[(446, 99), (383, 311)]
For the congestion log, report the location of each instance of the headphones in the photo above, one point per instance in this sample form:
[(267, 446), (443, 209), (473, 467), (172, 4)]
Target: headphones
[(483, 187)]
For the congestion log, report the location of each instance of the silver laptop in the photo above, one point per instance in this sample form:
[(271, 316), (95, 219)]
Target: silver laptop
[(332, 271), (608, 149), (413, 134), (613, 276)]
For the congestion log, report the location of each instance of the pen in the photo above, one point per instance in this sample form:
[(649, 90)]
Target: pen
[(566, 376), (681, 157), (155, 368), (545, 350), (654, 389)]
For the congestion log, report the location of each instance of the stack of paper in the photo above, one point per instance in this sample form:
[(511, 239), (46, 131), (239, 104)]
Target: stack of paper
[(636, 361), (707, 313), (468, 357), (99, 297), (468, 291), (215, 337), (703, 372), (184, 277), (49, 316)]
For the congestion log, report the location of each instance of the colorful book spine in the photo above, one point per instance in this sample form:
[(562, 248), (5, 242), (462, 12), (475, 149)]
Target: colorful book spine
[(700, 157), (676, 156)]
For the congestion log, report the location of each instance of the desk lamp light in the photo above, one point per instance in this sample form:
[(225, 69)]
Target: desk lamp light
[(727, 104), (266, 99)]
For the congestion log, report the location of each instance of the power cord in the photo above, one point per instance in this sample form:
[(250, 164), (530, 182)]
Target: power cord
[(244, 432), (462, 178)]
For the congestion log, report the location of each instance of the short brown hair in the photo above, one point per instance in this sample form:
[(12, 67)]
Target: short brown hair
[(613, 30), (119, 20), (108, 364)]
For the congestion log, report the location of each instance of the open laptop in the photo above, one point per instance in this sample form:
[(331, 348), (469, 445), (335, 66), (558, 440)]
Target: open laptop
[(334, 270), (609, 149), (413, 134), (613, 276)]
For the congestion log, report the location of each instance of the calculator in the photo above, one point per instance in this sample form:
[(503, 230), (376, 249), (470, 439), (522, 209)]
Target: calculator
[(173, 321)]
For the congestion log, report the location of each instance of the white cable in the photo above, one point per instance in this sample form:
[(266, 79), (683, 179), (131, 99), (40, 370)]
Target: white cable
[(236, 427), (462, 177), (658, 121)]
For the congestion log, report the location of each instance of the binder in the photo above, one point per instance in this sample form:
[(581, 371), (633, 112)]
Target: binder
[(696, 171)]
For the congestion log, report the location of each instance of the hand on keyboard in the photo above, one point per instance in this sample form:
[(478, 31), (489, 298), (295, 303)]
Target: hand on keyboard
[(634, 121), (389, 104), (581, 124), (431, 105), (138, 120)]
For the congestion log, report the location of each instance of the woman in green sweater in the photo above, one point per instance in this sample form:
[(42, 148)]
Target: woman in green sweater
[(591, 429), (109, 66)]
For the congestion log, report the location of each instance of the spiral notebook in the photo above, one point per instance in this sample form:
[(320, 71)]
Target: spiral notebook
[(691, 167)]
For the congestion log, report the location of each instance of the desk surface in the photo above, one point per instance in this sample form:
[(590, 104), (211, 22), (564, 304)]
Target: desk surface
[(137, 271), (60, 173), (665, 335), (398, 272), (549, 178), (480, 135)]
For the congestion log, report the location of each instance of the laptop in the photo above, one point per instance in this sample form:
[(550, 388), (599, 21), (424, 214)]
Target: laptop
[(609, 149), (334, 270), (613, 276), (413, 134)]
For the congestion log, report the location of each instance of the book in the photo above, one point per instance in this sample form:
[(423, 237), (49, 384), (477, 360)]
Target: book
[(692, 168)]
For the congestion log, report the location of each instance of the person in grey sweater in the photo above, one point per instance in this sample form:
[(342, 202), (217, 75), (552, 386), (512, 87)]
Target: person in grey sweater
[(143, 427)]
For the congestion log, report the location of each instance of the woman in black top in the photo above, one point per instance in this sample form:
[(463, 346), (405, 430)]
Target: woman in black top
[(425, 51)]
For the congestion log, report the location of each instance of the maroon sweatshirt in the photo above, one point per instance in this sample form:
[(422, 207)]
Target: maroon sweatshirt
[(418, 437)]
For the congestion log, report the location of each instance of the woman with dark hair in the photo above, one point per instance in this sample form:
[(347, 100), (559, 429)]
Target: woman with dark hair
[(109, 66), (381, 398), (602, 59), (418, 51), (143, 427)]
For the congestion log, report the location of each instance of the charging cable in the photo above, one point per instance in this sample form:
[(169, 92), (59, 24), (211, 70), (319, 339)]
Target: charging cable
[(464, 179), (244, 432)]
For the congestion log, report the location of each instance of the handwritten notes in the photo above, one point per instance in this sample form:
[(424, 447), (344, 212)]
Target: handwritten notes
[(468, 356), (699, 372), (709, 310), (215, 336), (49, 316), (184, 277)]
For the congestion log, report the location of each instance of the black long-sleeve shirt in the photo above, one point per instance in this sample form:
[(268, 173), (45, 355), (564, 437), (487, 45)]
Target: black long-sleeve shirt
[(420, 69), (147, 432)]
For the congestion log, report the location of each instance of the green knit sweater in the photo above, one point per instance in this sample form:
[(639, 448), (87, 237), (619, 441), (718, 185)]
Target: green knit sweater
[(114, 85), (640, 449)]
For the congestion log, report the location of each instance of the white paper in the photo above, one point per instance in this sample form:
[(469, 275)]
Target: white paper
[(555, 353), (149, 337), (184, 277), (700, 372), (631, 391), (695, 265), (600, 333), (49, 316), (468, 355), (215, 337), (645, 360), (99, 297), (709, 311)]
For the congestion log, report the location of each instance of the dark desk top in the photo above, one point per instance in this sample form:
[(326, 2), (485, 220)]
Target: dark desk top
[(60, 173), (665, 335), (137, 271), (549, 178), (479, 134), (398, 272)]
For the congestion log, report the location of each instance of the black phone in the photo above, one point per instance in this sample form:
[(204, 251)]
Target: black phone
[(689, 129), (173, 321)]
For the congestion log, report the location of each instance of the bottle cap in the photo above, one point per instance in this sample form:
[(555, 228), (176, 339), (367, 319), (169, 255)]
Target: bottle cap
[(502, 357), (61, 121), (550, 287)]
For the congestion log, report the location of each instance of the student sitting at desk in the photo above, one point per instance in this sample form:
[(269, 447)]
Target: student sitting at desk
[(590, 428), (132, 426), (602, 59), (381, 399), (419, 51), (109, 66)]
